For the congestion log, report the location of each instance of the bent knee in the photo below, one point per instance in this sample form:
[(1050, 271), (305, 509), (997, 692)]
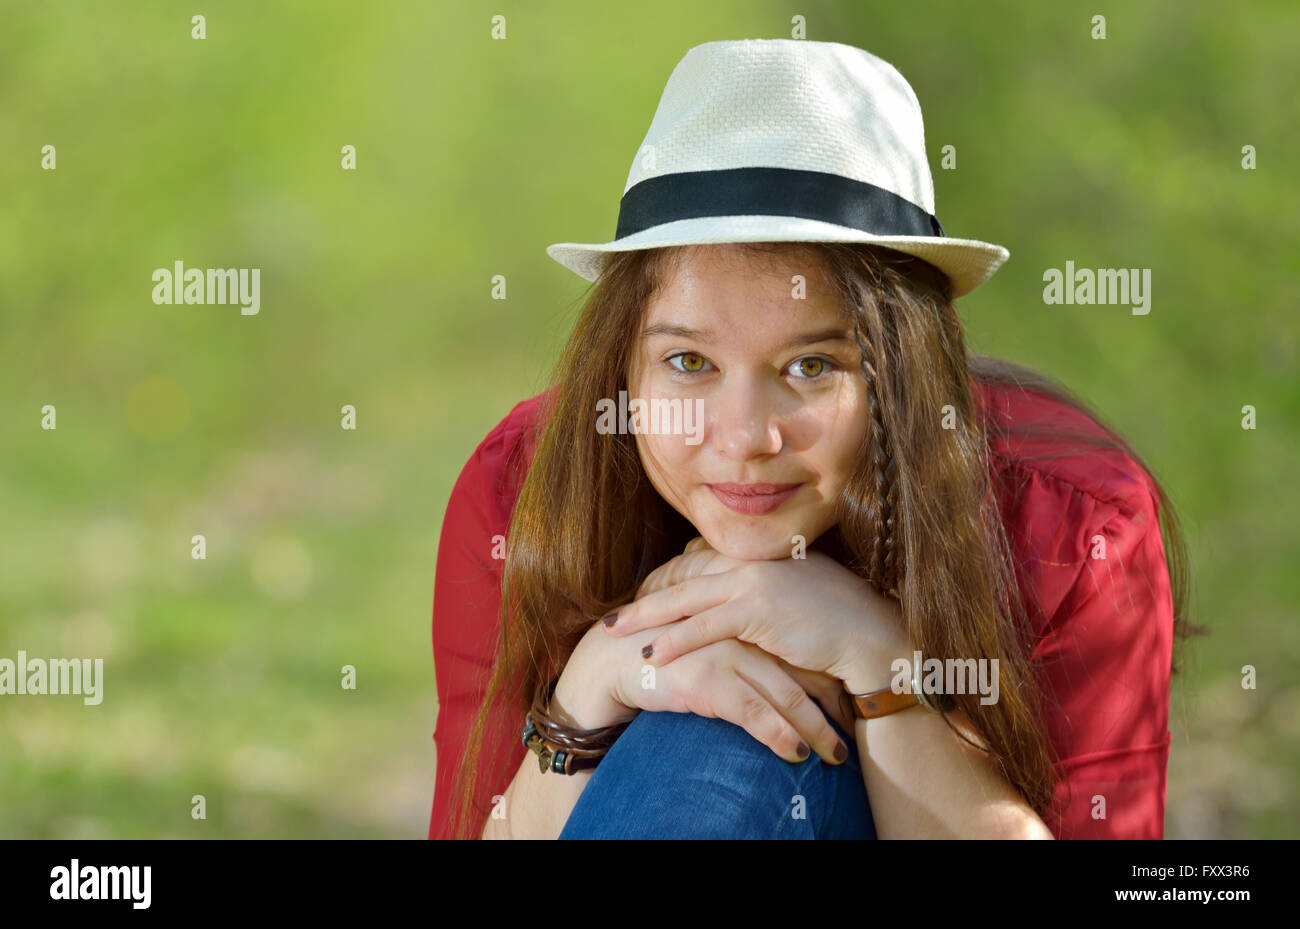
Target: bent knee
[(678, 775)]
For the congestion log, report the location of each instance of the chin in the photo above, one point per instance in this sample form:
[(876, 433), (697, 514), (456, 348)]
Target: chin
[(750, 543)]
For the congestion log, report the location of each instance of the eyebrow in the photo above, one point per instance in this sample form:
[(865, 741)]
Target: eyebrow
[(835, 334)]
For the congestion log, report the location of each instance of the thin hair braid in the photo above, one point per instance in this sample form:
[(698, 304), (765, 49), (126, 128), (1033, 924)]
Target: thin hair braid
[(885, 569)]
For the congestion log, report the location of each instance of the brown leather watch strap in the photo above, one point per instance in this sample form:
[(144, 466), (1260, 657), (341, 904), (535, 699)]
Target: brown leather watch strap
[(881, 703)]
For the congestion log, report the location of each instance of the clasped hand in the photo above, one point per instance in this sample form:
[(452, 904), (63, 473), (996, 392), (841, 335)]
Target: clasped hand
[(811, 613)]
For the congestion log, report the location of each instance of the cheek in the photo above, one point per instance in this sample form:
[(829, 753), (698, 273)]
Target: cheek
[(841, 436), (667, 461), (848, 449)]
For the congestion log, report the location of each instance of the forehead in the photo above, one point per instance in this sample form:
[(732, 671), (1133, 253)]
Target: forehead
[(780, 287)]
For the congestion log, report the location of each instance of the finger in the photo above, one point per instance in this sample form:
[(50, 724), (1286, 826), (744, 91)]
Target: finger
[(674, 571), (691, 596), (658, 579), (790, 700), (685, 566), (828, 691), (696, 544), (737, 701), (725, 621)]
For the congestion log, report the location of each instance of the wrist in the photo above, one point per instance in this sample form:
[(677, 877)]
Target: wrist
[(874, 668), (579, 705)]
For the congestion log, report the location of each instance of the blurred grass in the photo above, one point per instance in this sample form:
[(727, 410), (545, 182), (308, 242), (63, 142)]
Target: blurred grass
[(222, 676)]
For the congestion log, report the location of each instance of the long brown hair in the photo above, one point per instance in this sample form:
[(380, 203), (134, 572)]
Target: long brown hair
[(588, 526)]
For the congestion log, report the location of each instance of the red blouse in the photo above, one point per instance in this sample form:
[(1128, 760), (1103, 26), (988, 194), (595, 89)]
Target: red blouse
[(1104, 626)]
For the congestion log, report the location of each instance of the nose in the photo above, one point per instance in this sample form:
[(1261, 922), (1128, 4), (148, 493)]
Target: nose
[(746, 419)]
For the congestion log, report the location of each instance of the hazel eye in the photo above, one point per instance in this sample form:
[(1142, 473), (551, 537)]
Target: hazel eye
[(691, 363), (809, 367)]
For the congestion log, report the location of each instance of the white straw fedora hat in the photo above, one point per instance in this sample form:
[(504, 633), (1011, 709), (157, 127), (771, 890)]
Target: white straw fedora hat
[(785, 140)]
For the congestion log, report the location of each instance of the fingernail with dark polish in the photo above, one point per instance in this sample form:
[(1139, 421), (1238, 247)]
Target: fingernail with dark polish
[(841, 751), (647, 651), (611, 618), (803, 750)]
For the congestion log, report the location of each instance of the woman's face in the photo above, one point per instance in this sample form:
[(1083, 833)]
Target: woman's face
[(774, 372)]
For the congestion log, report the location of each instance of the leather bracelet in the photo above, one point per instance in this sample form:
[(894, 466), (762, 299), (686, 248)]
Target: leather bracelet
[(563, 749), (885, 701), (881, 702), (551, 757), (580, 741)]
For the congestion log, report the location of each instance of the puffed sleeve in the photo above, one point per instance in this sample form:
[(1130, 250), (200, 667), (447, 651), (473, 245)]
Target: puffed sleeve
[(467, 594), (1104, 661)]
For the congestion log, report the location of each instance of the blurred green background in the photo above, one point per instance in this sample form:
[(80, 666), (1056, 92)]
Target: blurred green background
[(222, 676)]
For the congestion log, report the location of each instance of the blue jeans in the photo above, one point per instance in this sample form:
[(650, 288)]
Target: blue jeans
[(682, 776)]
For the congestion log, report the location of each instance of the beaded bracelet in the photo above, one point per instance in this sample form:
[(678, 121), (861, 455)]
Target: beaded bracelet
[(560, 748)]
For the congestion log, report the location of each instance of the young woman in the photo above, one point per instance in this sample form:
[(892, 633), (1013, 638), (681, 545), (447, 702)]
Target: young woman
[(840, 488)]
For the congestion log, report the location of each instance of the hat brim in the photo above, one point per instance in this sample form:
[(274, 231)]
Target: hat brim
[(967, 262)]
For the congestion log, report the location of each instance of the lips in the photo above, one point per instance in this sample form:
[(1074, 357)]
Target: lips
[(753, 499)]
